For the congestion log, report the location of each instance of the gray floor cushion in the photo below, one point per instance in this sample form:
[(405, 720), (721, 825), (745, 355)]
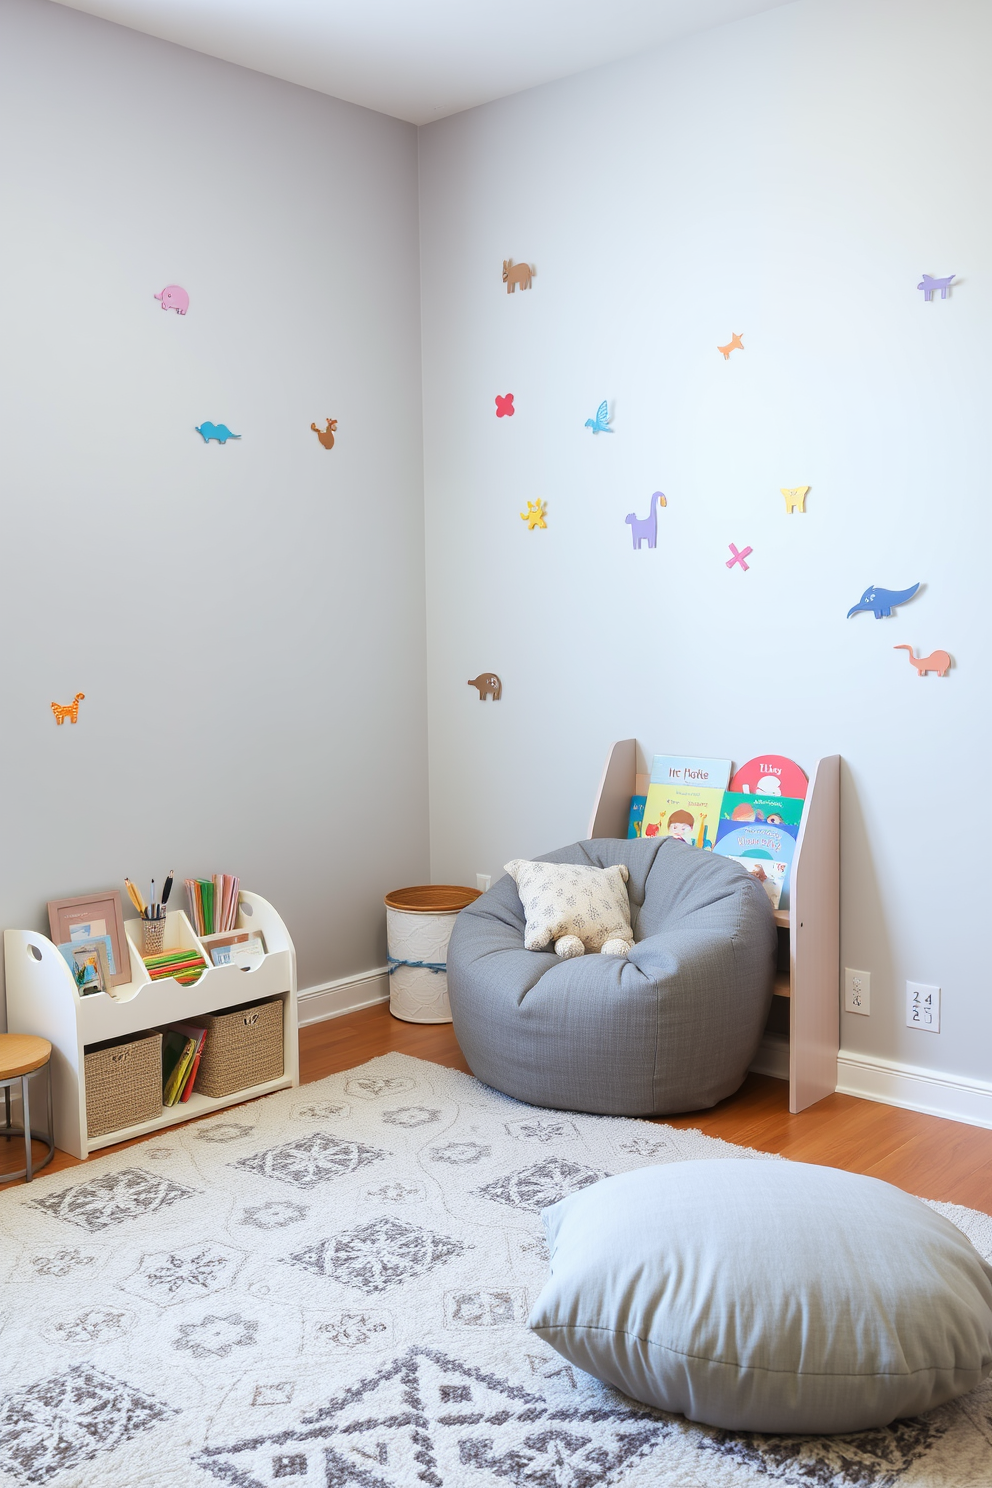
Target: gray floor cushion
[(670, 1027), (766, 1296)]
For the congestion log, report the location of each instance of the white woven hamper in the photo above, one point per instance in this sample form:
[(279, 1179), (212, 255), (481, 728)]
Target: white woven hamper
[(418, 925)]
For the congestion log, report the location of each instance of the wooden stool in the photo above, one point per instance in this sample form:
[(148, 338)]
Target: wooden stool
[(21, 1056)]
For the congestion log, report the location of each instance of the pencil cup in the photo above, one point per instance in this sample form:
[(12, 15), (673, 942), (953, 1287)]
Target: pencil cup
[(152, 935)]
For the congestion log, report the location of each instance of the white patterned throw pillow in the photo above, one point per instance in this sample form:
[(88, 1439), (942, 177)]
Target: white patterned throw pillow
[(580, 909)]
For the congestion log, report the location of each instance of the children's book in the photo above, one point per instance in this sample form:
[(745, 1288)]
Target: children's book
[(687, 812), (176, 1081), (199, 1033), (91, 963), (741, 809), (213, 903), (681, 770), (243, 950), (770, 875), (635, 822), (175, 1049), (770, 846), (771, 775)]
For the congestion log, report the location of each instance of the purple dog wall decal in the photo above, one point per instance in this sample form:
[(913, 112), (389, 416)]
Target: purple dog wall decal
[(642, 528)]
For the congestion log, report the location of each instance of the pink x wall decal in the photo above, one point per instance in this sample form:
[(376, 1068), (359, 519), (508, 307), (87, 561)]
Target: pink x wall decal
[(738, 557)]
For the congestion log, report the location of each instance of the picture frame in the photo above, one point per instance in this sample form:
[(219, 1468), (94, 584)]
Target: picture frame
[(89, 915)]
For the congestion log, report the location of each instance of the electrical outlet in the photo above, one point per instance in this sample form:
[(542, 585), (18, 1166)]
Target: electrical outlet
[(923, 1007), (857, 991), (482, 881)]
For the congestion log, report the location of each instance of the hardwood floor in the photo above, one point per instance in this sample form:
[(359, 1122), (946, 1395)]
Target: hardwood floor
[(923, 1154)]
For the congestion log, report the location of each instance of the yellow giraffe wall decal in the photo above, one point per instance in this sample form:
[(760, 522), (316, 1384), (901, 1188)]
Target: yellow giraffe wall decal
[(795, 498)]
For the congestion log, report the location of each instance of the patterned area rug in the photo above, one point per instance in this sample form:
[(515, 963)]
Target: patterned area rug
[(329, 1289)]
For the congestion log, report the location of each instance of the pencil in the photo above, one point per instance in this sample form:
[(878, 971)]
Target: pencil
[(134, 896)]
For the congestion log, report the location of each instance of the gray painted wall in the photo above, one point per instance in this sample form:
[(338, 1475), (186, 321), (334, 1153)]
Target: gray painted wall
[(788, 177), (247, 622)]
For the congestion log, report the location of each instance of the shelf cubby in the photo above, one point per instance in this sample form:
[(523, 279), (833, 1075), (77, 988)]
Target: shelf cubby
[(42, 998)]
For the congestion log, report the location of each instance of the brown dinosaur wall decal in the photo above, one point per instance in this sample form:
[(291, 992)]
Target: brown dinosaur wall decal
[(514, 274), (489, 685)]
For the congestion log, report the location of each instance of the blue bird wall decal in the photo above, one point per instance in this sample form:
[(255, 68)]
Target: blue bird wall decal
[(601, 423)]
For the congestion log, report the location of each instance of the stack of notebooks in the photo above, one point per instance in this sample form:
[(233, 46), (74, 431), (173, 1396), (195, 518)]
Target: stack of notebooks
[(753, 818), (184, 965), (182, 1045), (213, 903)]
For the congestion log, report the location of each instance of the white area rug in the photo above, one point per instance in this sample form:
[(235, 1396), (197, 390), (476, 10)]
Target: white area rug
[(329, 1289)]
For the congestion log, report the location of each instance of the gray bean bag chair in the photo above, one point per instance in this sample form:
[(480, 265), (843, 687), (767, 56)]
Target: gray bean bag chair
[(671, 1027)]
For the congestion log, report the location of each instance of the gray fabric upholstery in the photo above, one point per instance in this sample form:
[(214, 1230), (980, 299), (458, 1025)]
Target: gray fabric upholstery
[(673, 1027), (766, 1296)]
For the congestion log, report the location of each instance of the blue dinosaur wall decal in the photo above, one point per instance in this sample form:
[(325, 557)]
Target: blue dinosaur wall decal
[(220, 432), (882, 601)]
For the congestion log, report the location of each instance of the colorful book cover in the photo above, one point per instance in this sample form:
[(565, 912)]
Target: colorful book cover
[(771, 775), (770, 875), (743, 809), (199, 1033), (681, 770), (635, 822), (173, 1048), (91, 963), (174, 1084), (191, 1077), (768, 844), (683, 811)]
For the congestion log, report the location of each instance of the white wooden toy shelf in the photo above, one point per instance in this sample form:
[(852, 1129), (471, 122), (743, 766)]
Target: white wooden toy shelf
[(807, 995), (42, 998)]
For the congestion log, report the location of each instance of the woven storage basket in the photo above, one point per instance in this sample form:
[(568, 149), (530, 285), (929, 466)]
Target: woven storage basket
[(243, 1047), (123, 1083)]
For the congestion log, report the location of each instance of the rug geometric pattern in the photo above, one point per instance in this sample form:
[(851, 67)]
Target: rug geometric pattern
[(377, 1255), (330, 1288), (112, 1199), (430, 1417), (311, 1160), (63, 1422), (541, 1184)]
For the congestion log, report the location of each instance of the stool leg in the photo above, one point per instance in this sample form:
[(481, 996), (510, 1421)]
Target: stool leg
[(6, 1096), (51, 1111), (26, 1101)]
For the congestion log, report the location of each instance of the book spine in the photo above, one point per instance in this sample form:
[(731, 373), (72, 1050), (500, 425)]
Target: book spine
[(191, 900), (174, 1084), (188, 1087)]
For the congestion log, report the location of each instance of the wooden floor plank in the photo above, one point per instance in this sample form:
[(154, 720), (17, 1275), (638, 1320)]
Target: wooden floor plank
[(925, 1155)]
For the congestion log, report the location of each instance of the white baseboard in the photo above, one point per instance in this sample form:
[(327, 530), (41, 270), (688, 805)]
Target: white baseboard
[(347, 995), (772, 1057), (928, 1091)]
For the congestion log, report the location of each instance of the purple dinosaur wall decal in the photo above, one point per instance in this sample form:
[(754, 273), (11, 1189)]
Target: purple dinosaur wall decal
[(646, 527), (929, 284)]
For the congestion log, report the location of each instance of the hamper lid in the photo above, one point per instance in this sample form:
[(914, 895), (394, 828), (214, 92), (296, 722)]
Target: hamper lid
[(431, 898)]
